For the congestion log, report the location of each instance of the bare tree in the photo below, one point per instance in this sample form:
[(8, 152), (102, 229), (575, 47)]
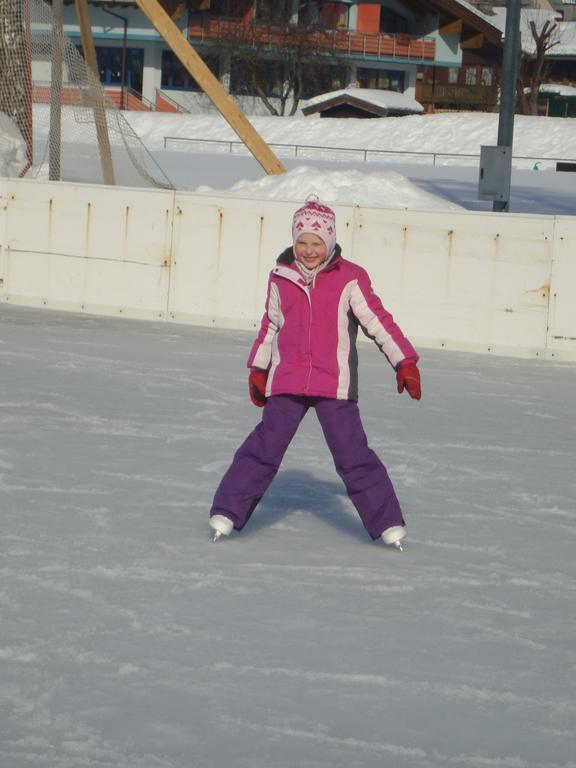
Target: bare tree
[(279, 59), (534, 67)]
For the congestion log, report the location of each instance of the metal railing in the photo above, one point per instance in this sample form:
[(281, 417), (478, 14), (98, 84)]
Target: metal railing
[(172, 102), (346, 42), (311, 150)]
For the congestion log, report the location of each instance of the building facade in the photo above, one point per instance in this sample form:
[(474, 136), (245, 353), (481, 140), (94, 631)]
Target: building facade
[(441, 52)]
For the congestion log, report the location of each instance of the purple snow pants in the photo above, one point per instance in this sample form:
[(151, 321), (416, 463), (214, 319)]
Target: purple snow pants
[(257, 460)]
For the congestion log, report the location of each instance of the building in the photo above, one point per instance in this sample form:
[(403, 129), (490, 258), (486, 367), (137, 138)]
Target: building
[(444, 53)]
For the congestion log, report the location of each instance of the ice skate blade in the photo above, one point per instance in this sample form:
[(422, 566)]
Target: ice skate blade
[(216, 536), (398, 545)]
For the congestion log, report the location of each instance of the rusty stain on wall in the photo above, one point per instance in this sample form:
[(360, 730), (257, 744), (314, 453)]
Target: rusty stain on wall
[(50, 211), (88, 227), (542, 292), (219, 246), (450, 253), (126, 226)]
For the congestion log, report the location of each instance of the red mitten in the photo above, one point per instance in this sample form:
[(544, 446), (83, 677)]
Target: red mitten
[(257, 387), (408, 376)]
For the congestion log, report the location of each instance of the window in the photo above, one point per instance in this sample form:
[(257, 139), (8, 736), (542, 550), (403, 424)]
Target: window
[(392, 22), (470, 75), (245, 75), (383, 79), (487, 76), (310, 13), (234, 9), (336, 15), (322, 79), (174, 75), (453, 73), (273, 10), (109, 62)]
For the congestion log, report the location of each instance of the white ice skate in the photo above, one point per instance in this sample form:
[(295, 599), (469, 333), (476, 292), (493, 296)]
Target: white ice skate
[(393, 536), (222, 526)]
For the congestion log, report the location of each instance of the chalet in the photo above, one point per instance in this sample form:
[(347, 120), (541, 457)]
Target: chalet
[(443, 53), (361, 102)]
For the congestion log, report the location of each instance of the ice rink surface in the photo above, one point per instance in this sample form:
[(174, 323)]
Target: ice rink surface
[(127, 640)]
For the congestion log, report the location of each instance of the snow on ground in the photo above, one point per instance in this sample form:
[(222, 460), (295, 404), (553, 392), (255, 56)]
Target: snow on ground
[(459, 133), (129, 641), (12, 148), (386, 189), (346, 175)]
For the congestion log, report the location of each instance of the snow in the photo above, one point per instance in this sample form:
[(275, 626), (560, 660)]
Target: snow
[(129, 641), (559, 88), (563, 40), (13, 156), (446, 133), (398, 171), (397, 102), (436, 155), (386, 189)]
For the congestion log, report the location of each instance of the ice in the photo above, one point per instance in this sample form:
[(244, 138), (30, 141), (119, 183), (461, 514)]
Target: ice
[(128, 640)]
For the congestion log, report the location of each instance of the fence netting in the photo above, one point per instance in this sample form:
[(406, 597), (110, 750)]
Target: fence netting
[(56, 119)]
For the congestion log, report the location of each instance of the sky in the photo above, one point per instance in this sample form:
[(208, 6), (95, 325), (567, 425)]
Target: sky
[(129, 640)]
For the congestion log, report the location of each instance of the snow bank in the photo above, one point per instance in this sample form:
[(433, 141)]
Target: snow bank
[(460, 133), (13, 156), (349, 187)]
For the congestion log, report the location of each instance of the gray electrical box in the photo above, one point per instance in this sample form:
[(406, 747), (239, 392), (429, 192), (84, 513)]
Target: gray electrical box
[(495, 170)]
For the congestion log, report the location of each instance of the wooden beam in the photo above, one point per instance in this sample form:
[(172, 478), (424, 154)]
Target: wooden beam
[(474, 41), (211, 86), (95, 98), (452, 27)]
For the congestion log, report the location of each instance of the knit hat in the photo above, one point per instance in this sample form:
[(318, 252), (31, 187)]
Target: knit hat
[(315, 219)]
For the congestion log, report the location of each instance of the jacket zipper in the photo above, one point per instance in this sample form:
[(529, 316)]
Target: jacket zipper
[(307, 387), (306, 290)]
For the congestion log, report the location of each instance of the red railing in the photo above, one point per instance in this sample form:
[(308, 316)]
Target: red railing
[(339, 41), (80, 97)]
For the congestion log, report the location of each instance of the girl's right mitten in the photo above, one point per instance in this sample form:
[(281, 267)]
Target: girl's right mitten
[(257, 386)]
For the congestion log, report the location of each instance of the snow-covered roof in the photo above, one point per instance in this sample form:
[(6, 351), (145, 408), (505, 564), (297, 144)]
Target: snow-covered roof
[(564, 36), (374, 100), (559, 88)]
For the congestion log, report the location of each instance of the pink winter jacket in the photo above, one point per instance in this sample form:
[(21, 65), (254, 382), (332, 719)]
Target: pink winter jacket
[(307, 339)]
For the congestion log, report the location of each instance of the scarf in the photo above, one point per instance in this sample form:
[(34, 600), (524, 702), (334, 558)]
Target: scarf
[(310, 274)]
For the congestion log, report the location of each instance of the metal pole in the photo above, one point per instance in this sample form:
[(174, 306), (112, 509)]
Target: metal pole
[(508, 84), (55, 140)]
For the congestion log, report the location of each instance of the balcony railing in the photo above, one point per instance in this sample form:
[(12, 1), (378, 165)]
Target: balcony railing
[(339, 42), (453, 93)]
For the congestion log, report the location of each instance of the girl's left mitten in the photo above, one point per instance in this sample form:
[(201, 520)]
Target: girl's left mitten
[(257, 386), (408, 377)]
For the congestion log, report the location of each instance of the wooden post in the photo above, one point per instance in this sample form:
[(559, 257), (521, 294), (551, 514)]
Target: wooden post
[(97, 103), (211, 86)]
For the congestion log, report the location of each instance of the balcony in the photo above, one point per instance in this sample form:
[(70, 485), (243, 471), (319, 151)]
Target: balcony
[(454, 94), (338, 42)]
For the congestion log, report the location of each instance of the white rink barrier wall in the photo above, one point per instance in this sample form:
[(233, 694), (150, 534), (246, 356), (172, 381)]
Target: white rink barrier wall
[(469, 281)]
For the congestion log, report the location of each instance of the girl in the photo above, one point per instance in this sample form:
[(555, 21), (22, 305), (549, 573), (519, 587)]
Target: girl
[(305, 357)]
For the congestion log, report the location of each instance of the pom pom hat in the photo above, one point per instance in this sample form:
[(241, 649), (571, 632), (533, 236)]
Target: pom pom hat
[(315, 219)]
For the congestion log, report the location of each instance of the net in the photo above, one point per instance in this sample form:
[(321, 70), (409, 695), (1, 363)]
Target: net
[(71, 128)]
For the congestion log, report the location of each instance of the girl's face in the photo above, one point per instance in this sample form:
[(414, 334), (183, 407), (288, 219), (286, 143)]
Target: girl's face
[(310, 250)]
